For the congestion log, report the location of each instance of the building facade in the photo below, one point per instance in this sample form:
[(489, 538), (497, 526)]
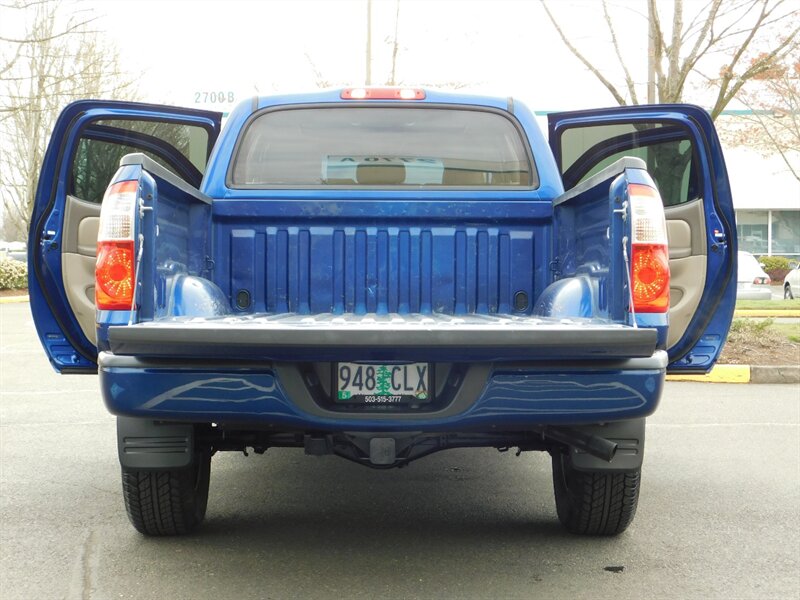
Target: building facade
[(766, 196)]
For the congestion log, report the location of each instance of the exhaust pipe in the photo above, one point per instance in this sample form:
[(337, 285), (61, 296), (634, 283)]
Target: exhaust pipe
[(592, 444)]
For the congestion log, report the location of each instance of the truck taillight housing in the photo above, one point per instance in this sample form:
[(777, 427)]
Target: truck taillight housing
[(649, 251), (115, 268)]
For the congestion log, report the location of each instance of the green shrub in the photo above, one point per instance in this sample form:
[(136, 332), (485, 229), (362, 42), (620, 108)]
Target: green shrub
[(777, 267), (774, 262), (13, 274), (750, 326)]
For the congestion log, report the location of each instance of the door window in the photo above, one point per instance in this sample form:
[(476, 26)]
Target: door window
[(182, 149), (666, 148)]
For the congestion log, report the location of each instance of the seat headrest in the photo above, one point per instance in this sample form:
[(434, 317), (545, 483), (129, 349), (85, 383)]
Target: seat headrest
[(377, 174)]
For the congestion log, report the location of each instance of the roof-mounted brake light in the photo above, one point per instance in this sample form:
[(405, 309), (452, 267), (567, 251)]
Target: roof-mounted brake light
[(382, 93)]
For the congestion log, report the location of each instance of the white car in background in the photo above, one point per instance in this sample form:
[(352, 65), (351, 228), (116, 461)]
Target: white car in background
[(791, 283), (752, 283), (14, 251)]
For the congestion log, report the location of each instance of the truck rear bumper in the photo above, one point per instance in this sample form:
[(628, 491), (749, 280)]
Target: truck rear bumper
[(489, 396)]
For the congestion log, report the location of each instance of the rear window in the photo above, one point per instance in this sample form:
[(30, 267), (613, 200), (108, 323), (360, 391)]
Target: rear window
[(382, 146)]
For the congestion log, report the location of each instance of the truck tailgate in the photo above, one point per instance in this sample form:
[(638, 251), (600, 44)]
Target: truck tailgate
[(390, 336)]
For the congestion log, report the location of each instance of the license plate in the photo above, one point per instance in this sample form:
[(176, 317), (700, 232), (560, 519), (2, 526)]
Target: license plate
[(383, 384)]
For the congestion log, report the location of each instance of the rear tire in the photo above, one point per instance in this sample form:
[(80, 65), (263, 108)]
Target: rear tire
[(169, 502), (787, 292), (594, 502)]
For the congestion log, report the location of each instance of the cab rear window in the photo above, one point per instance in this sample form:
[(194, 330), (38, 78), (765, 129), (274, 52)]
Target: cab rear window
[(382, 146)]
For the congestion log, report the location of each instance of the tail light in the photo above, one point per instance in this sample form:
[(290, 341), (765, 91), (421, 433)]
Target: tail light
[(115, 268), (762, 281), (649, 251)]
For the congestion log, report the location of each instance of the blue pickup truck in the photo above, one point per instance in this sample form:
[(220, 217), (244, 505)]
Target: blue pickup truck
[(381, 274)]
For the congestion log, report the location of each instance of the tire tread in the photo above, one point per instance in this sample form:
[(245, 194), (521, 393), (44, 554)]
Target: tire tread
[(163, 503), (594, 503)]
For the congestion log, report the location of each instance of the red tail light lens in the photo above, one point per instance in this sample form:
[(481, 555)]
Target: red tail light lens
[(114, 275), (649, 251), (650, 277)]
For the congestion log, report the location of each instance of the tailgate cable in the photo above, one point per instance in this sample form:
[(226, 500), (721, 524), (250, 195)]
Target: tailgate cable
[(623, 212), (628, 276), (134, 305)]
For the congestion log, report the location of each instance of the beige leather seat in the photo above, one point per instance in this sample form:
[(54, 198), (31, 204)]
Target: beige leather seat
[(510, 178), (380, 174), (462, 177)]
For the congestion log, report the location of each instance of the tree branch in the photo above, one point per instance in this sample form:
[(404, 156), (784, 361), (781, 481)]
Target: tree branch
[(395, 45), (628, 78), (726, 93), (691, 60), (609, 86), (40, 40)]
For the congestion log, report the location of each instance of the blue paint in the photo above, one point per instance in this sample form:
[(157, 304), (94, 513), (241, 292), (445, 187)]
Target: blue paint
[(512, 398), (384, 267)]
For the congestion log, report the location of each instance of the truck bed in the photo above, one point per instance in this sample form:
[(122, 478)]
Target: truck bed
[(432, 263)]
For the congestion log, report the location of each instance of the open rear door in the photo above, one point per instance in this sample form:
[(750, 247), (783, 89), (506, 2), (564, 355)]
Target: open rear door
[(89, 138), (684, 157)]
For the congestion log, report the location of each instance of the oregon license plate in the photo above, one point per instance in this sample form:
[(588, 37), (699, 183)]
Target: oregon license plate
[(383, 384)]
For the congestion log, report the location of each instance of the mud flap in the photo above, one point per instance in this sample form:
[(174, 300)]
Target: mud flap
[(145, 444), (629, 437)]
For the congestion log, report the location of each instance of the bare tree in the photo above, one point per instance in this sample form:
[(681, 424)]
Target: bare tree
[(734, 29), (394, 42), (374, 54), (368, 53), (772, 123), (319, 77), (58, 59)]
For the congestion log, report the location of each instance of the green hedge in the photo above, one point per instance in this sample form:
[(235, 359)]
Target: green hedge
[(777, 267), (13, 274), (774, 262)]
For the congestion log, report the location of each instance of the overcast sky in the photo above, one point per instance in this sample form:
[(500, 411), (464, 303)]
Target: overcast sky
[(180, 50), (499, 47)]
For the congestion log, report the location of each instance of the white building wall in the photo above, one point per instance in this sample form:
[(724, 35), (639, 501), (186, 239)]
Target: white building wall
[(766, 196), (760, 183)]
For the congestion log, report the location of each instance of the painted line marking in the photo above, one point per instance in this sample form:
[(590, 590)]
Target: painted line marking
[(766, 313), (719, 374)]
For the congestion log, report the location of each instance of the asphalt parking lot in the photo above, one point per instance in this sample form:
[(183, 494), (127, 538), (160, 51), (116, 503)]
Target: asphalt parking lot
[(719, 515)]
